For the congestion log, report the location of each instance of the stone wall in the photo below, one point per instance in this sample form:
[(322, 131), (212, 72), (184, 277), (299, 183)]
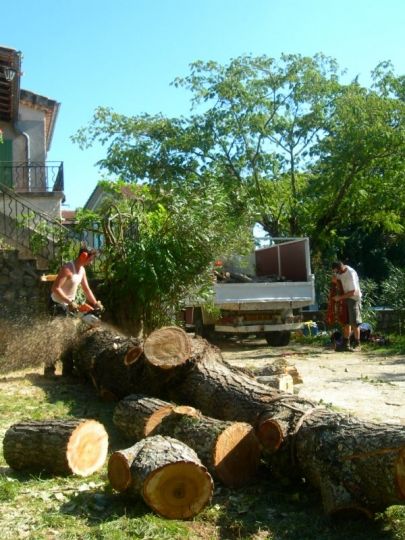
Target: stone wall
[(21, 290)]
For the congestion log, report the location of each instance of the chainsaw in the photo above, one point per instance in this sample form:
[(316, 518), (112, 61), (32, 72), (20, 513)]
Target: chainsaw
[(85, 312), (89, 315)]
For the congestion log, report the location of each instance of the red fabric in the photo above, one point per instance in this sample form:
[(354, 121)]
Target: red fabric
[(337, 311)]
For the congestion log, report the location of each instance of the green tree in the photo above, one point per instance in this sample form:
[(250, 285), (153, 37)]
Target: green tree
[(358, 177), (159, 250), (253, 127), (285, 143)]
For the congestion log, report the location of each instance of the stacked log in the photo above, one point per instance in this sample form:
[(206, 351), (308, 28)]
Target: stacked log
[(229, 450), (283, 382), (279, 367), (292, 429), (56, 446), (136, 416), (166, 473)]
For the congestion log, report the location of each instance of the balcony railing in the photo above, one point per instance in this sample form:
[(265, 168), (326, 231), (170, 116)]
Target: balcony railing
[(29, 230), (32, 177)]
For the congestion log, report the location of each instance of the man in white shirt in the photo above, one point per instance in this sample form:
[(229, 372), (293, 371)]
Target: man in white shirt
[(352, 297)]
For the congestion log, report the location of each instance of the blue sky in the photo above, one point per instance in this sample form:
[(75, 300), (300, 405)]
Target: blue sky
[(125, 53)]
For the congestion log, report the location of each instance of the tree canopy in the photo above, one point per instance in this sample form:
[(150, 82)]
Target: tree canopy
[(284, 143)]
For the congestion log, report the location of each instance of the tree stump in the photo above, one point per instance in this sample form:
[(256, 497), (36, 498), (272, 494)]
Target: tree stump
[(56, 446), (166, 473)]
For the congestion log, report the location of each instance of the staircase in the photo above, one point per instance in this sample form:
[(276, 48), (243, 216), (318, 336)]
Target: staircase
[(33, 233)]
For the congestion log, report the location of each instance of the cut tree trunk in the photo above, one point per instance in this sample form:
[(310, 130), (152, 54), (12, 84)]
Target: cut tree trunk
[(354, 464), (283, 382), (104, 357), (56, 446), (166, 473), (222, 391), (230, 450), (136, 415)]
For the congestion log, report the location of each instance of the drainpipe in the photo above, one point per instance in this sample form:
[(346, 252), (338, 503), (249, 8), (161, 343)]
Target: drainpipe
[(28, 148)]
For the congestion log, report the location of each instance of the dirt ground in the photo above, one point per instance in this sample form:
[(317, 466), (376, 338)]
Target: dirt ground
[(366, 384)]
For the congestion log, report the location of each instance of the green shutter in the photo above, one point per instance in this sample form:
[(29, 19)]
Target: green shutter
[(6, 158)]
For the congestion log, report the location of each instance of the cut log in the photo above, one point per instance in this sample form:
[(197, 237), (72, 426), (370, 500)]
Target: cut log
[(356, 465), (284, 382), (230, 450), (136, 415), (56, 446), (219, 390), (103, 356), (167, 347), (280, 367), (166, 473)]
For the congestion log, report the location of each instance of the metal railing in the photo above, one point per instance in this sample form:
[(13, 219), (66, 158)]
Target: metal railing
[(30, 230), (32, 177)]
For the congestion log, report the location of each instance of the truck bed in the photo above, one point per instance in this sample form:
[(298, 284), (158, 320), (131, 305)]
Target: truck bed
[(262, 296)]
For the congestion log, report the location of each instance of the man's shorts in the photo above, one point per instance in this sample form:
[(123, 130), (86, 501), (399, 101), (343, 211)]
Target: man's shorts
[(354, 311)]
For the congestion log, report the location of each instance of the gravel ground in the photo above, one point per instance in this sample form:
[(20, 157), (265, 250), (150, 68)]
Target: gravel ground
[(366, 384)]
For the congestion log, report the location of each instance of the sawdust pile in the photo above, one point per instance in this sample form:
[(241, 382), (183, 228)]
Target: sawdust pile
[(31, 341)]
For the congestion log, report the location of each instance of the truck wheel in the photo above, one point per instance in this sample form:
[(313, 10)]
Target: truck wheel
[(278, 339)]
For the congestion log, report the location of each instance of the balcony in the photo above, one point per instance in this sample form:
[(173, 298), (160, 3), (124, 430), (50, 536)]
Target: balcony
[(24, 177)]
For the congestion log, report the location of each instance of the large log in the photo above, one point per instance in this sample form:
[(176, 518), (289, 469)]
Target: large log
[(166, 473), (230, 450), (136, 416), (222, 391), (354, 464), (56, 446)]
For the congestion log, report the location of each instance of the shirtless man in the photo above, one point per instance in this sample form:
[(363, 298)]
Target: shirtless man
[(70, 276), (64, 290)]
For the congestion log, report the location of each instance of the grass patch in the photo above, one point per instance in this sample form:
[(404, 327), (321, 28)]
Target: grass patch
[(41, 507)]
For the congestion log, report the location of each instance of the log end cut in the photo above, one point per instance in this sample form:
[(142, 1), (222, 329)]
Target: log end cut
[(133, 355), (119, 472), (87, 448), (179, 490), (270, 435), (167, 347), (156, 418), (237, 455)]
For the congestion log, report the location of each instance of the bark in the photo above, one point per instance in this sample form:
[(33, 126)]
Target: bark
[(219, 390), (104, 357), (136, 415), (354, 464), (166, 473), (230, 450), (56, 446)]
